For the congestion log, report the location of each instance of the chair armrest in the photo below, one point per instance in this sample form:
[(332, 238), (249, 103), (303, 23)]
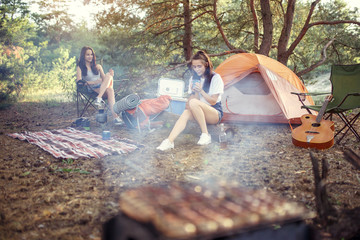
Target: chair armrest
[(311, 94), (80, 82), (347, 95), (302, 97)]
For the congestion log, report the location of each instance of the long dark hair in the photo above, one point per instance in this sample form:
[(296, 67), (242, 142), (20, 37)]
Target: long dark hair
[(201, 55), (82, 64)]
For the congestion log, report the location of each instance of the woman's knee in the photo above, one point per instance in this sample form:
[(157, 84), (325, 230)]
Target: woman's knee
[(110, 91), (108, 78), (193, 103)]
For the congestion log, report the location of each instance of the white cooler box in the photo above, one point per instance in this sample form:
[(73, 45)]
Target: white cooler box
[(175, 89)]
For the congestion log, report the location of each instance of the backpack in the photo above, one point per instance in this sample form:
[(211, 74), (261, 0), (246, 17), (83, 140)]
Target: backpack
[(146, 111)]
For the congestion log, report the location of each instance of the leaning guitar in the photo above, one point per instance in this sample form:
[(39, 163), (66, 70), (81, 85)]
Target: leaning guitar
[(314, 132)]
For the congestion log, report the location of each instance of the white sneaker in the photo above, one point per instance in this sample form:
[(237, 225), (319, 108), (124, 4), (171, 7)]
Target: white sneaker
[(98, 101), (205, 139), (118, 121), (165, 145)]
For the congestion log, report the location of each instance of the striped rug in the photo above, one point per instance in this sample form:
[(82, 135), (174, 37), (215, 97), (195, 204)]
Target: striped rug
[(73, 143)]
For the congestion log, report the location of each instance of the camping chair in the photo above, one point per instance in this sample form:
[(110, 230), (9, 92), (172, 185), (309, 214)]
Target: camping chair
[(85, 99), (345, 83)]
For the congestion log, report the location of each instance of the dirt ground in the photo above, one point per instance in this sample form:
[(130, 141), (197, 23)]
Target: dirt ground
[(42, 197)]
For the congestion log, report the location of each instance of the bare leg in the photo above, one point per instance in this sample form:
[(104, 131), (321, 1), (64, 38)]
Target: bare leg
[(203, 114), (111, 99), (199, 111), (106, 83), (180, 124)]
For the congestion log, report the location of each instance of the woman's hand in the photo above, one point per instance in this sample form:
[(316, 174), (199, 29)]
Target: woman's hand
[(197, 87), (111, 71)]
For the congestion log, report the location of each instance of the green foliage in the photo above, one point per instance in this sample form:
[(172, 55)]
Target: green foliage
[(63, 71), (14, 24)]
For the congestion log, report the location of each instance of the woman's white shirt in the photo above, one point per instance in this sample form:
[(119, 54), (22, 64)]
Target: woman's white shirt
[(216, 87)]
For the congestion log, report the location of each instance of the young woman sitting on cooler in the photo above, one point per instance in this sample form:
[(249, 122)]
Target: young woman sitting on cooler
[(204, 103)]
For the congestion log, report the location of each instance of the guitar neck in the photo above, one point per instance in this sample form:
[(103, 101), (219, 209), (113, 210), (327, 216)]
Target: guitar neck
[(322, 110)]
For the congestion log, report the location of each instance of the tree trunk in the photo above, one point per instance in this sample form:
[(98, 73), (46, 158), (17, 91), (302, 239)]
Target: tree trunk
[(256, 26), (268, 27), (187, 39), (285, 32)]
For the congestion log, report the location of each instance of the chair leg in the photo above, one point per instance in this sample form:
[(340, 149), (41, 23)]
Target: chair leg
[(86, 101), (77, 103), (349, 126)]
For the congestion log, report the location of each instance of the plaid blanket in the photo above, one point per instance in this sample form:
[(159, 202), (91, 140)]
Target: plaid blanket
[(73, 143)]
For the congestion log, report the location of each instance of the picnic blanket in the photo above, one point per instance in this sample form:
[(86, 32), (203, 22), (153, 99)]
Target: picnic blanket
[(73, 143)]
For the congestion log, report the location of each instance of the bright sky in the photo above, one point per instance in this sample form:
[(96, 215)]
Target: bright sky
[(354, 3), (82, 12)]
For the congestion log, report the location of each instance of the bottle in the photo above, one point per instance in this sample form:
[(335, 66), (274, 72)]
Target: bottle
[(222, 137)]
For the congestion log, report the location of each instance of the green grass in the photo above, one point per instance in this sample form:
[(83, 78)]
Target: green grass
[(45, 95)]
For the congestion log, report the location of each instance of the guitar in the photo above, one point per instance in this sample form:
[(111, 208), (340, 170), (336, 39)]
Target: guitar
[(314, 132)]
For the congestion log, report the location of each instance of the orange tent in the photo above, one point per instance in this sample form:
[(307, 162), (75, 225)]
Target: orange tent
[(258, 89)]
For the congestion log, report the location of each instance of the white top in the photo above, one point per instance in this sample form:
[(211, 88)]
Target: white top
[(91, 76), (216, 87)]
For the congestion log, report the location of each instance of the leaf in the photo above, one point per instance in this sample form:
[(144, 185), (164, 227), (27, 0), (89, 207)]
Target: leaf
[(26, 173)]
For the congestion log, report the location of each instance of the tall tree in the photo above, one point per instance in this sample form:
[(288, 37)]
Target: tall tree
[(54, 22), (14, 24)]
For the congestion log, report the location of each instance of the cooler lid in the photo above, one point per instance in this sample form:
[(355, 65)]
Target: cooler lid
[(171, 87)]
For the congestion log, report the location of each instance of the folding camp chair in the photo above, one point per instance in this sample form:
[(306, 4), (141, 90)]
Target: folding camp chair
[(345, 82), (84, 99)]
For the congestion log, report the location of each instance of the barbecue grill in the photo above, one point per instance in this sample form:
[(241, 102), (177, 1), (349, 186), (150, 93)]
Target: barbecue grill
[(193, 211)]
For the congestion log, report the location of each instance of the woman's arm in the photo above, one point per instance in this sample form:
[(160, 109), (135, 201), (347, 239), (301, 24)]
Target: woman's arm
[(211, 99), (101, 71)]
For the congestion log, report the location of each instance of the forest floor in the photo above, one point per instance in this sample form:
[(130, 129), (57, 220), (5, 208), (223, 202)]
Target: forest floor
[(38, 202)]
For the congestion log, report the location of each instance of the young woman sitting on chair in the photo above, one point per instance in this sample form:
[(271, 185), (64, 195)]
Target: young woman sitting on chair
[(96, 80)]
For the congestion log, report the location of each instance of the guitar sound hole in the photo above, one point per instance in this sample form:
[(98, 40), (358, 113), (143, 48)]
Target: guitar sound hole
[(315, 124), (312, 132)]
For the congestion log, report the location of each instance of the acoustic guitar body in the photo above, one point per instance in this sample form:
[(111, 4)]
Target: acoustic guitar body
[(313, 134)]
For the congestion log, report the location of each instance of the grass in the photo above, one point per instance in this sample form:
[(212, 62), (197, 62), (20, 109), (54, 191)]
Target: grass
[(68, 162), (55, 95)]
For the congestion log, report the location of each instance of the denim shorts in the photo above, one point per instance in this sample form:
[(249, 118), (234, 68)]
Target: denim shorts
[(218, 107), (92, 87)]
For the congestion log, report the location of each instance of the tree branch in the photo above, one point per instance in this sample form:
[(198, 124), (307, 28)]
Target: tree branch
[(321, 61), (219, 27), (227, 52), (308, 25), (302, 32), (333, 22)]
